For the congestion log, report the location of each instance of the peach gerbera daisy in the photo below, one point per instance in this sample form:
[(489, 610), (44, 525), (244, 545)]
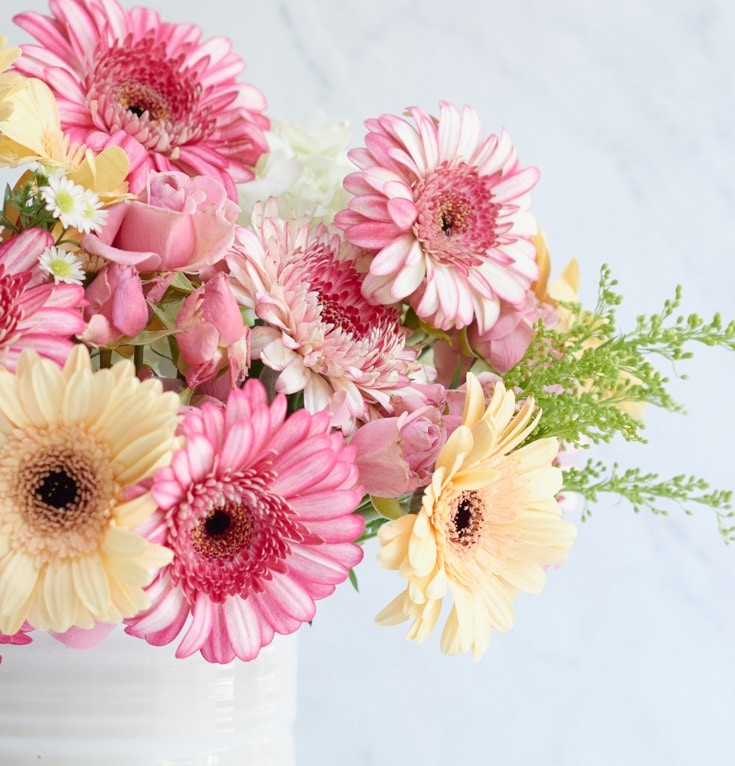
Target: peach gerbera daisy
[(73, 446), (445, 213), (488, 525)]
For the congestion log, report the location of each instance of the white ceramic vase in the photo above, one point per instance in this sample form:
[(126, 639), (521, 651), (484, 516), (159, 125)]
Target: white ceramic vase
[(125, 703)]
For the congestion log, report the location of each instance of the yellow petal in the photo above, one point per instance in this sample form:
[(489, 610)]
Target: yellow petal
[(90, 582)]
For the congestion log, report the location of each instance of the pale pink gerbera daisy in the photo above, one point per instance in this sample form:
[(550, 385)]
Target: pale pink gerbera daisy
[(112, 69), (34, 313), (321, 334), (257, 509), (446, 213)]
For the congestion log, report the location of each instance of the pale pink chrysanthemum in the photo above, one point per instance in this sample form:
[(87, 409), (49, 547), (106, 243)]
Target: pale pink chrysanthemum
[(34, 313), (257, 509), (321, 334), (112, 69), (445, 212)]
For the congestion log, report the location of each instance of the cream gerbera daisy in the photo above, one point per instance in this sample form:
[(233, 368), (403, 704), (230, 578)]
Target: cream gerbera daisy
[(73, 446), (488, 525)]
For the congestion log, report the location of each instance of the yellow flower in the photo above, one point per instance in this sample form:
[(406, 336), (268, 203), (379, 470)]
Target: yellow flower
[(33, 131), (488, 525), (564, 288), (30, 131), (10, 82), (73, 445)]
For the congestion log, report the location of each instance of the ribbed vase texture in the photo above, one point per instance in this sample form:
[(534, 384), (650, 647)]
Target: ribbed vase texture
[(125, 703)]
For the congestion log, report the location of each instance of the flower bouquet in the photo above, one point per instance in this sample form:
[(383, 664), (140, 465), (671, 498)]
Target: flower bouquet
[(230, 354)]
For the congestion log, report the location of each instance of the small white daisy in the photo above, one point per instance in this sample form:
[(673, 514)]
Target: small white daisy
[(92, 215), (62, 265), (66, 201)]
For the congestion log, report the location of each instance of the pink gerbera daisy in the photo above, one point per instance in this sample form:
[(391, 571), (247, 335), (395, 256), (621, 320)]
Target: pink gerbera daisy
[(445, 212), (112, 69), (321, 334), (21, 638), (34, 314), (257, 509)]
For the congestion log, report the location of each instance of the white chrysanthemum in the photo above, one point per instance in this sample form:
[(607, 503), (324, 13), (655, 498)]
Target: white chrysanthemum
[(303, 169)]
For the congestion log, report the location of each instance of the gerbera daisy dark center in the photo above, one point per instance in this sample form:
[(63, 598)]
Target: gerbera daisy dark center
[(59, 485), (466, 521), (140, 98), (58, 490), (228, 546), (223, 532), (139, 88), (455, 213)]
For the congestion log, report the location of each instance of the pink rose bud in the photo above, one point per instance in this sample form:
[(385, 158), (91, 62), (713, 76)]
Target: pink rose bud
[(397, 455), (211, 334), (116, 306)]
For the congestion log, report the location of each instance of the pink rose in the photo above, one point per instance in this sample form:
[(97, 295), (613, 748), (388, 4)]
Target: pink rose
[(116, 306), (397, 455), (211, 335), (178, 223)]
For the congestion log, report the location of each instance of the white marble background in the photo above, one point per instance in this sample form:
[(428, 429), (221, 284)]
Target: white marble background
[(628, 108)]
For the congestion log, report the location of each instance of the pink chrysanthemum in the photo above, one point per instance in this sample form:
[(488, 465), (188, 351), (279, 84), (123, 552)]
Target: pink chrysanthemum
[(112, 69), (445, 212), (257, 509), (321, 334), (41, 316)]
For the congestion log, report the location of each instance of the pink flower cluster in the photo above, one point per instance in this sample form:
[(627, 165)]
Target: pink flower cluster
[(304, 350)]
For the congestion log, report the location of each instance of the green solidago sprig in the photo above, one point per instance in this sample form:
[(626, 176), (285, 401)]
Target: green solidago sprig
[(590, 377), (645, 490)]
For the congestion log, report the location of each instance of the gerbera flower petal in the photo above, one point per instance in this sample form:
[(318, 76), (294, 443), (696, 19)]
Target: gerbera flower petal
[(488, 525), (178, 98), (202, 611), (346, 354), (461, 199), (90, 583), (235, 529), (243, 627), (72, 558), (43, 317)]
